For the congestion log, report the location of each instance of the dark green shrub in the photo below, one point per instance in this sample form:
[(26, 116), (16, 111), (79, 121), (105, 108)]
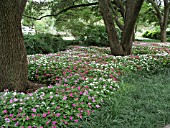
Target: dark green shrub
[(44, 43), (94, 36)]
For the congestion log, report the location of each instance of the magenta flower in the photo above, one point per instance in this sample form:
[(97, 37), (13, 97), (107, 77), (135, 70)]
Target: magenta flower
[(17, 123), (71, 94), (50, 86), (29, 126), (10, 115), (81, 93), (73, 105), (33, 109), (71, 118), (44, 115), (58, 114), (14, 119), (58, 107), (54, 122), (76, 120), (33, 115), (11, 101), (5, 111), (65, 97), (79, 87)]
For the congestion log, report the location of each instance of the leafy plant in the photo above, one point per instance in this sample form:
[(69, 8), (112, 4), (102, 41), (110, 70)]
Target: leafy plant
[(44, 43)]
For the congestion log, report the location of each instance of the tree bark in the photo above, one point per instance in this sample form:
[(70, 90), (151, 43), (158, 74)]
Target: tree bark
[(132, 11), (164, 23), (131, 14), (13, 58), (105, 10), (162, 17)]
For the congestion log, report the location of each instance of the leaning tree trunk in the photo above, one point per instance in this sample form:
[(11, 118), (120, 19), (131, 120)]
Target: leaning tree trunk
[(13, 58), (115, 47)]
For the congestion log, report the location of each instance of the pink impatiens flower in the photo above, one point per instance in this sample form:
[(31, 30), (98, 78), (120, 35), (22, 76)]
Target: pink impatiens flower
[(71, 94), (76, 120), (79, 87), (54, 122), (58, 114), (73, 105), (44, 115), (71, 118), (33, 109), (65, 97), (5, 111)]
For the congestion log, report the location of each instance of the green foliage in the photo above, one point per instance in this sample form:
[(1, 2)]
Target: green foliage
[(142, 103), (152, 34), (44, 43), (81, 80), (95, 36)]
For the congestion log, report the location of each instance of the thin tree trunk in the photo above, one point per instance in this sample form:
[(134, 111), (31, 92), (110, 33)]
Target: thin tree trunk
[(13, 58), (164, 23), (163, 34)]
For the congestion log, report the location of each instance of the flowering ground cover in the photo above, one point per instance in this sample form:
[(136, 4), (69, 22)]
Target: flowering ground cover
[(78, 82)]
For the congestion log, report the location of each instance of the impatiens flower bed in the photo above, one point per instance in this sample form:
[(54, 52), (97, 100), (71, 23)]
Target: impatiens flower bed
[(78, 82)]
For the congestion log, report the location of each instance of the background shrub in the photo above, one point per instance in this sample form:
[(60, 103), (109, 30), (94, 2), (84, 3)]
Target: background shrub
[(94, 36), (44, 43), (155, 34)]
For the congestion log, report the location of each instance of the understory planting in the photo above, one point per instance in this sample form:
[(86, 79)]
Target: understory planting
[(78, 80)]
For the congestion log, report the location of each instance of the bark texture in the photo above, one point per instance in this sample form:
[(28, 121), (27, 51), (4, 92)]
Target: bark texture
[(162, 17), (123, 47), (13, 58), (115, 46)]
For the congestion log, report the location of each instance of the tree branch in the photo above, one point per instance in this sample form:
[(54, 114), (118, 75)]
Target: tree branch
[(158, 13), (121, 7), (116, 18), (64, 10)]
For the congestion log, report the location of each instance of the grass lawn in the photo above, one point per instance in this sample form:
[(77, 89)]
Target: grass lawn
[(143, 102), (88, 87)]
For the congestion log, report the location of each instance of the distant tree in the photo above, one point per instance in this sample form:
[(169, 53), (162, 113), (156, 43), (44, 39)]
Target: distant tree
[(162, 12), (13, 58), (129, 13)]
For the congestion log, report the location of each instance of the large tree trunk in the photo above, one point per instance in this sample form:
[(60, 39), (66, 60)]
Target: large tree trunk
[(132, 11), (13, 58), (115, 46)]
